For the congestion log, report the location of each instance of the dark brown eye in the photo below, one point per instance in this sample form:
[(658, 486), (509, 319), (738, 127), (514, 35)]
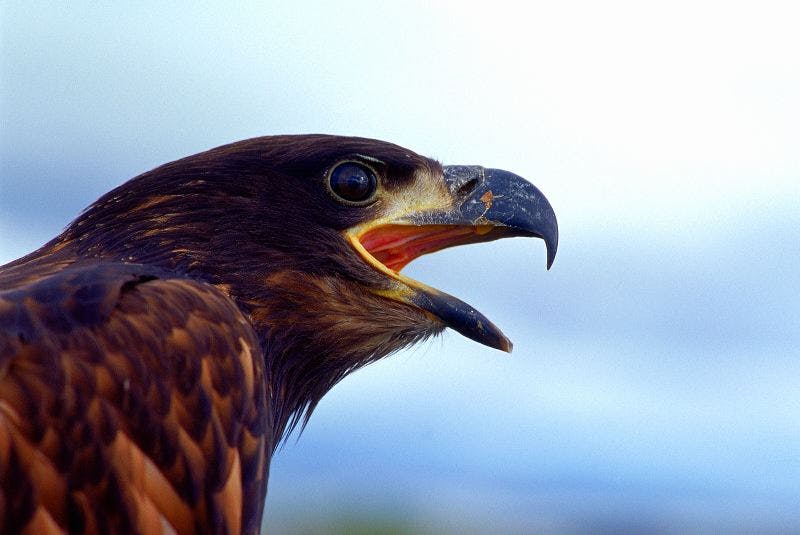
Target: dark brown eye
[(353, 182)]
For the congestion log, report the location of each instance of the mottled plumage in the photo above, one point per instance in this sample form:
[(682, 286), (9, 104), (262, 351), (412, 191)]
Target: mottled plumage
[(155, 353), (134, 396)]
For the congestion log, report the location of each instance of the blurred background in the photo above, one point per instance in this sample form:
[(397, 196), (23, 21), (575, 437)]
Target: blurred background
[(655, 382)]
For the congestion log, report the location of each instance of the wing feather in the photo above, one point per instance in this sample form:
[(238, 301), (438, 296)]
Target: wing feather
[(129, 400)]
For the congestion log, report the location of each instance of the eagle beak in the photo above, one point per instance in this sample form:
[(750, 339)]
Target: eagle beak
[(497, 202), (485, 205)]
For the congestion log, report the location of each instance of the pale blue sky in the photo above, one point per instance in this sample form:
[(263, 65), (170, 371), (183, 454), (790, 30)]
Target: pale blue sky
[(654, 382)]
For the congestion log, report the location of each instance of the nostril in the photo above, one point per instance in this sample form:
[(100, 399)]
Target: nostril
[(467, 187)]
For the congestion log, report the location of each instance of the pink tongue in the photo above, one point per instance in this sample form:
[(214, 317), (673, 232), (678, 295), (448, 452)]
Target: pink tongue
[(396, 245)]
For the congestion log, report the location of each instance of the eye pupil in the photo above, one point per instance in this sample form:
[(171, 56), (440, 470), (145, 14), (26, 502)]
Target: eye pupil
[(353, 182)]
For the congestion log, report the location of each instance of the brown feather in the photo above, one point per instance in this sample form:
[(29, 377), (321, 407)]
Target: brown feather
[(122, 414)]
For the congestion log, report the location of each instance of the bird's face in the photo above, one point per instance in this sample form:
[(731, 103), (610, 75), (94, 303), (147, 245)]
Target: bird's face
[(361, 210)]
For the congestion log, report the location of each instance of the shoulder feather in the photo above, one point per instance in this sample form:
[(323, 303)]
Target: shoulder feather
[(129, 400)]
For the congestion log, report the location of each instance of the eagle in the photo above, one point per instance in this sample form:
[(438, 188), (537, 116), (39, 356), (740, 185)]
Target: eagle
[(155, 354)]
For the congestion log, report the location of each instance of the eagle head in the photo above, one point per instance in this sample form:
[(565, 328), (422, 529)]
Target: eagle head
[(308, 235)]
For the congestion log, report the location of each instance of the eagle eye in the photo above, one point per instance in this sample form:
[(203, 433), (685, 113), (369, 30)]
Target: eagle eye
[(352, 182)]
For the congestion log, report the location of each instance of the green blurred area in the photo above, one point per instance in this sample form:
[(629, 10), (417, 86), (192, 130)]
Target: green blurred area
[(347, 524)]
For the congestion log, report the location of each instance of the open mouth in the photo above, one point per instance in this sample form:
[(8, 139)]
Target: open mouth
[(395, 246), (389, 248), (487, 204)]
